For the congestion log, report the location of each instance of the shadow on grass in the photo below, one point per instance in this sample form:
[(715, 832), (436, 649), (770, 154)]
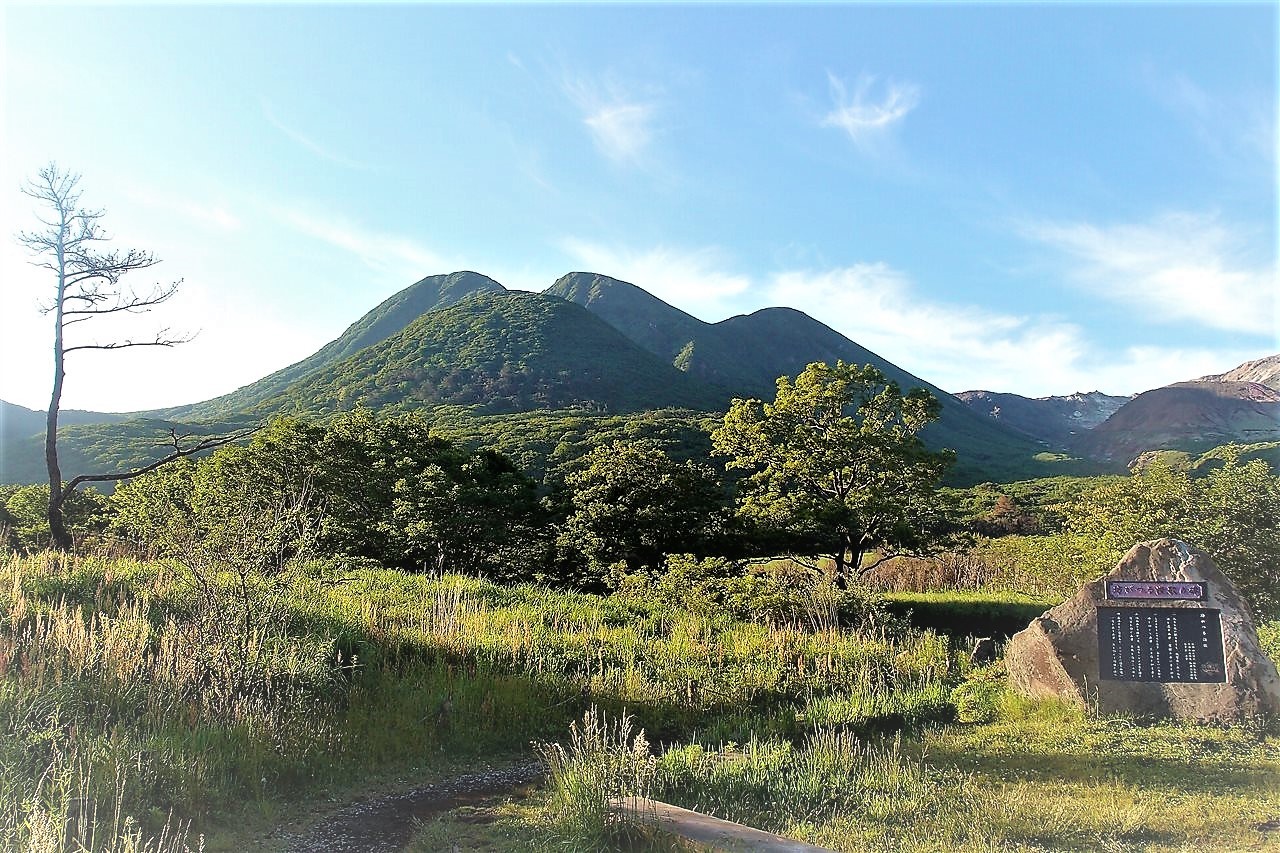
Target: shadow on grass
[(1185, 776)]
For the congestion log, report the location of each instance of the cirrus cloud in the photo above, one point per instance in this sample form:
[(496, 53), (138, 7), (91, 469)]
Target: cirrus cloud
[(621, 124), (1177, 268), (861, 115)]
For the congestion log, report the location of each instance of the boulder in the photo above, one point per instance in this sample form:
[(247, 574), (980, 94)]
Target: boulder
[(1058, 654)]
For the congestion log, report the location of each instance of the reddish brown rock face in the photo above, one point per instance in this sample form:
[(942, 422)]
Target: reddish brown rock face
[(1058, 653)]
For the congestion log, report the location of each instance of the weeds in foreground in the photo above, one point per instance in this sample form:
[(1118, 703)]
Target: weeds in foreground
[(1042, 776), (604, 761), (64, 813), (121, 670)]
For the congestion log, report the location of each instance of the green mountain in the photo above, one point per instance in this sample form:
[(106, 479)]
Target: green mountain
[(747, 354), (388, 318), (501, 352), (88, 442), (589, 347)]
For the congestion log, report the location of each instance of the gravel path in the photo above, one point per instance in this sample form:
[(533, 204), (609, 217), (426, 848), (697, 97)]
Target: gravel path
[(385, 824)]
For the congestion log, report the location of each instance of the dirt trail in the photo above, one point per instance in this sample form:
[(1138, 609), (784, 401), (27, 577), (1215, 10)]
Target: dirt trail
[(385, 824)]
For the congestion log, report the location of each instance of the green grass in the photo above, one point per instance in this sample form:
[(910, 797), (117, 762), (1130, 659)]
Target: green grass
[(162, 710), (157, 692), (1042, 776), (969, 613)]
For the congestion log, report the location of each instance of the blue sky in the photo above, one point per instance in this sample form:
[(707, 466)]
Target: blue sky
[(1038, 199)]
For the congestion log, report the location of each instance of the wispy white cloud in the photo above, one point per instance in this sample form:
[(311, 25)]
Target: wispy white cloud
[(381, 251), (865, 117), (1180, 267), (965, 347), (620, 123), (956, 345), (691, 279), (950, 345), (321, 151), (1238, 127)]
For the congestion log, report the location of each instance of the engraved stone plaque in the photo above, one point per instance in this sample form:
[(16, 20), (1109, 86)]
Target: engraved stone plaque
[(1157, 590), (1161, 644)]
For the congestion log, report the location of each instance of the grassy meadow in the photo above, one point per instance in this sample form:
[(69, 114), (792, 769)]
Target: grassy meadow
[(148, 707)]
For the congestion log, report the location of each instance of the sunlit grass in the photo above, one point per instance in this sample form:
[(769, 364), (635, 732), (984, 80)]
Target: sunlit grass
[(1043, 776), (171, 699)]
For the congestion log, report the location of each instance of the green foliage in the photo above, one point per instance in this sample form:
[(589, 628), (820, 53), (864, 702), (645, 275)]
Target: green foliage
[(1043, 498), (386, 319), (631, 502), (1269, 639), (746, 354), (978, 697), (835, 459), (777, 594), (1268, 451), (1031, 776), (549, 445), (603, 761), (501, 352), (1230, 513), (24, 513), (1045, 567), (108, 696), (386, 488), (968, 614), (360, 671)]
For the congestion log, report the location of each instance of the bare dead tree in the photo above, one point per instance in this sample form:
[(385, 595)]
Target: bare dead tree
[(88, 286)]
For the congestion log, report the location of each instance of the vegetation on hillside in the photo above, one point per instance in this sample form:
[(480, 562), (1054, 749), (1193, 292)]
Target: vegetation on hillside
[(386, 319), (369, 596), (501, 352)]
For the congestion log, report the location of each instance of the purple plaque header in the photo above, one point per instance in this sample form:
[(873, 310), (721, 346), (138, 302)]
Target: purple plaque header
[(1158, 590)]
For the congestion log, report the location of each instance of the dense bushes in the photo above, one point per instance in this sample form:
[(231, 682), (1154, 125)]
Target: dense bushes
[(384, 488)]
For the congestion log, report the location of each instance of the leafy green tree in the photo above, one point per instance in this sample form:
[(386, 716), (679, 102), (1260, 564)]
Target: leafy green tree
[(473, 513), (1006, 518), (362, 485), (25, 515), (836, 461), (155, 508), (1231, 514), (631, 502)]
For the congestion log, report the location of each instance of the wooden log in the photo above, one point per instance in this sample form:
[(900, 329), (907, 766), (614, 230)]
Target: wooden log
[(710, 832)]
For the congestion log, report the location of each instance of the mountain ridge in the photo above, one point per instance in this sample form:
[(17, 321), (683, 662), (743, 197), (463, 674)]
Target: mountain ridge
[(382, 321), (1057, 419), (593, 343), (1189, 416)]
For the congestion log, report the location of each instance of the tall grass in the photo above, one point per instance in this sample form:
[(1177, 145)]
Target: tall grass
[(166, 699), (1043, 776)]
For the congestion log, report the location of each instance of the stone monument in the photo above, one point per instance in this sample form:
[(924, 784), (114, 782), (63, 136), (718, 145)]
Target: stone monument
[(1164, 634)]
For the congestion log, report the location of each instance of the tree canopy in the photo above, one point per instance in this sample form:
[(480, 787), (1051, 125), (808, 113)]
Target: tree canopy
[(631, 502), (1231, 513), (835, 461)]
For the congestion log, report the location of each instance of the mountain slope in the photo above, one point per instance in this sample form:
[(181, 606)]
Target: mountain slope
[(1264, 371), (1056, 420), (22, 439), (589, 343), (388, 318), (747, 353), (1191, 416), (503, 352)]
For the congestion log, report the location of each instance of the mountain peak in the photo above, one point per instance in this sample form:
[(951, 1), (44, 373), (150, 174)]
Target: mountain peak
[(1264, 371), (386, 319)]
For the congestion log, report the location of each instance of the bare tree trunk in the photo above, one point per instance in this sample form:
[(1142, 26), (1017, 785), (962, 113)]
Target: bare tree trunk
[(59, 537), (88, 285)]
